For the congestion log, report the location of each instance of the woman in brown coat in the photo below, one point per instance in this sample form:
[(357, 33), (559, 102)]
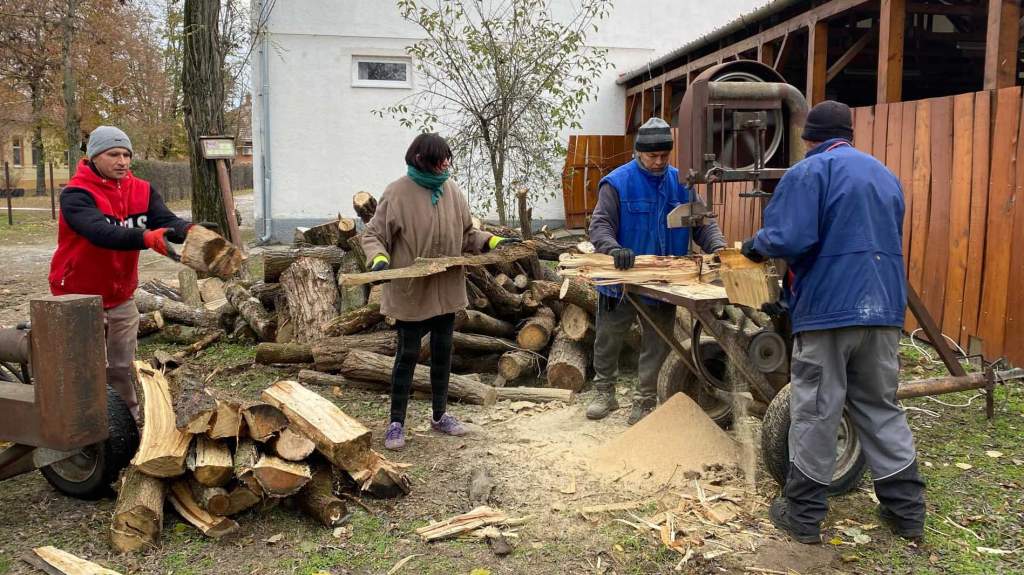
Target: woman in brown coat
[(423, 214)]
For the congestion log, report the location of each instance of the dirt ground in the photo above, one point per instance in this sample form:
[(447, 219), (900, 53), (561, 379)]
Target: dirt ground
[(538, 459)]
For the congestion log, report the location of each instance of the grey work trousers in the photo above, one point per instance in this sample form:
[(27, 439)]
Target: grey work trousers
[(855, 368), (122, 341), (614, 318)]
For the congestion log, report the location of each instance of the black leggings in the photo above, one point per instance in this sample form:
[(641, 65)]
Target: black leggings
[(410, 333)]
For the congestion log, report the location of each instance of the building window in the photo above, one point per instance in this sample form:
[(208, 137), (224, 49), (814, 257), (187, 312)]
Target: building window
[(17, 147), (35, 156), (246, 150), (381, 72)]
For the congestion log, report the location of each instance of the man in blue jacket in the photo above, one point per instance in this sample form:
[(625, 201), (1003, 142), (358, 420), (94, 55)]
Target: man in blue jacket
[(836, 219), (631, 218)]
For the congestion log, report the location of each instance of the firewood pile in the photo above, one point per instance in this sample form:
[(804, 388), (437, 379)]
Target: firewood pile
[(213, 457)]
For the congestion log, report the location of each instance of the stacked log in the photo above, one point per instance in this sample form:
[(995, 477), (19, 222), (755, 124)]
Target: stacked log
[(291, 444)]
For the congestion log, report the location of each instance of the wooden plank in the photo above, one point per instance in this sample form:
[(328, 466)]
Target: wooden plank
[(817, 62), (894, 138), (922, 175), (979, 211), (959, 213), (423, 267), (1013, 347), (647, 110), (936, 259), (863, 129), (852, 52), (999, 224), (631, 101), (1001, 41), (892, 26), (909, 112), (666, 102), (766, 53), (52, 560), (881, 126)]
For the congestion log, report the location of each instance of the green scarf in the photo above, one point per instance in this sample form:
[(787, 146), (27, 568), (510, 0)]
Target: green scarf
[(430, 181)]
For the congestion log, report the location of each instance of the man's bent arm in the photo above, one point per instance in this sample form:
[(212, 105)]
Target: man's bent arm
[(604, 222)]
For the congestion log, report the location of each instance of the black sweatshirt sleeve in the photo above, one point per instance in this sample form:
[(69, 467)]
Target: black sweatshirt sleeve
[(160, 216), (79, 210)]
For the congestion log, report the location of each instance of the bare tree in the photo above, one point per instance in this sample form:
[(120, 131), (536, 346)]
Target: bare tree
[(501, 80)]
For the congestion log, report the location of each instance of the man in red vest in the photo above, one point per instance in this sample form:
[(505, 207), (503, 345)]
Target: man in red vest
[(106, 217)]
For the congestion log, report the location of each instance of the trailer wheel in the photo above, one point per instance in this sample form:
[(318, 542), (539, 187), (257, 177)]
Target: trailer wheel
[(89, 474), (675, 377), (850, 462)]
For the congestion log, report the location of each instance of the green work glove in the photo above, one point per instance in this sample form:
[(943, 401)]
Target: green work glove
[(380, 263), (497, 241)]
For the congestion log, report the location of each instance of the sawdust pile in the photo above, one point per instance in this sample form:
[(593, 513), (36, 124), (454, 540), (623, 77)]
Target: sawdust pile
[(674, 439)]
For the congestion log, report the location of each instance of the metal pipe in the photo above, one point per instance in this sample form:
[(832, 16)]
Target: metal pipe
[(264, 64), (14, 345), (940, 385), (788, 94)]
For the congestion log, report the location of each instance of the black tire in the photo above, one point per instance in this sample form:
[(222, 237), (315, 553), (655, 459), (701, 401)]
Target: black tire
[(675, 377), (89, 475), (850, 462)]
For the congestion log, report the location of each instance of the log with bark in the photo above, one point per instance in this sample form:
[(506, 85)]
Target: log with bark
[(277, 260), (577, 324), (317, 498), (263, 420), (369, 366), (150, 323), (350, 297), (250, 308), (382, 477), (332, 233), (194, 408), (464, 364), (329, 354), (515, 365), (423, 267), (476, 343), (580, 293), (365, 205), (162, 448), (188, 286), (138, 513), (472, 321), (177, 312), (536, 332), (354, 321), (312, 297), (206, 251), (536, 394), (567, 363), (270, 353), (182, 334), (319, 378), (185, 504), (214, 500), (545, 291), (477, 300), (266, 292), (292, 445), (210, 462), (505, 303), (280, 478)]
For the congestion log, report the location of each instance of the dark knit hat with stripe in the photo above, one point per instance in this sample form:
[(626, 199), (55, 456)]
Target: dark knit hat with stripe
[(828, 120), (654, 136)]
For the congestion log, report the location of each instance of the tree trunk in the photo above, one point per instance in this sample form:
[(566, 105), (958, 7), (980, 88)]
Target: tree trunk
[(472, 321), (525, 215), (268, 353), (312, 297), (567, 363), (203, 92), (38, 154), (188, 285), (252, 311), (138, 513), (514, 365), (463, 364), (72, 130), (537, 331), (317, 498), (536, 394), (365, 205), (319, 378), (371, 366), (329, 354), (577, 324), (276, 260)]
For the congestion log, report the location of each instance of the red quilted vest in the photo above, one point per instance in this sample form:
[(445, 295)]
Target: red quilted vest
[(80, 267)]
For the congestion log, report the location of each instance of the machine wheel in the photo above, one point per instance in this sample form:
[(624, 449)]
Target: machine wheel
[(850, 462), (89, 474), (675, 377)]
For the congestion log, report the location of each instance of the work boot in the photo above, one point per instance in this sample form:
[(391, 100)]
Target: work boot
[(782, 519), (394, 437), (604, 403), (912, 533), (641, 407)]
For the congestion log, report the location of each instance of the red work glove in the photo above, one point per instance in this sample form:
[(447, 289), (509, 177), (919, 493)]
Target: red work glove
[(157, 241)]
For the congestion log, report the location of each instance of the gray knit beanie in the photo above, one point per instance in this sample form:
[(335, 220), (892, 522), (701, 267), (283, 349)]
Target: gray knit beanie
[(104, 138), (654, 136)]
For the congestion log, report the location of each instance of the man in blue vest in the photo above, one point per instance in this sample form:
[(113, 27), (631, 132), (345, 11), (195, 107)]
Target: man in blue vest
[(836, 218), (631, 219)]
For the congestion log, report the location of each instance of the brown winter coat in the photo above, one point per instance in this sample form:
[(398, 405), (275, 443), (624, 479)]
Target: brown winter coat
[(406, 226)]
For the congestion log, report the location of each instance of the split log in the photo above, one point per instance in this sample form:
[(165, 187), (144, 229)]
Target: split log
[(536, 332), (310, 377), (423, 267), (465, 364), (567, 363), (329, 354), (210, 462), (206, 251), (369, 366), (365, 206), (382, 477), (212, 290), (580, 293), (185, 504), (312, 296), (317, 498), (150, 323), (577, 324), (245, 459), (138, 513), (53, 561), (472, 321), (241, 498), (350, 297), (266, 292), (250, 308), (176, 311), (354, 321), (215, 500), (226, 420), (188, 286), (504, 302), (280, 478), (475, 519), (585, 247), (536, 394), (276, 261), (514, 365), (263, 420), (269, 353), (285, 327), (194, 408), (162, 448), (291, 445)]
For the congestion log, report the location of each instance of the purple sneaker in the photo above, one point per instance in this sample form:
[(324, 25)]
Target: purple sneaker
[(448, 425), (394, 437)]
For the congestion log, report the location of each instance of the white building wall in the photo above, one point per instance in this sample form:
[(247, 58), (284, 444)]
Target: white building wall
[(325, 142)]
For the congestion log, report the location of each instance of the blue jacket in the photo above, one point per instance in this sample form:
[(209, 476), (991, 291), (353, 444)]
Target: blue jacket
[(644, 203), (837, 219)]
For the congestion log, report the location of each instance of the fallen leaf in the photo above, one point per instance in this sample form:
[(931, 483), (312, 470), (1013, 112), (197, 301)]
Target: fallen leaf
[(850, 558), (852, 532), (964, 466), (927, 463), (994, 454), (933, 559), (869, 527), (835, 541), (277, 537), (862, 539), (479, 571)]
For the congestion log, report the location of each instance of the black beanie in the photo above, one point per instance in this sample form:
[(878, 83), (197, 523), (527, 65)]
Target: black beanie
[(828, 120)]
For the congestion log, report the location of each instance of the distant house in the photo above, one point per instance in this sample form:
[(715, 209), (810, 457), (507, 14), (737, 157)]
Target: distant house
[(239, 126), (16, 149), (323, 66)]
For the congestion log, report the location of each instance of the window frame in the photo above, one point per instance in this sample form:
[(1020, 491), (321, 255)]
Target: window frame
[(17, 151), (390, 84)]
